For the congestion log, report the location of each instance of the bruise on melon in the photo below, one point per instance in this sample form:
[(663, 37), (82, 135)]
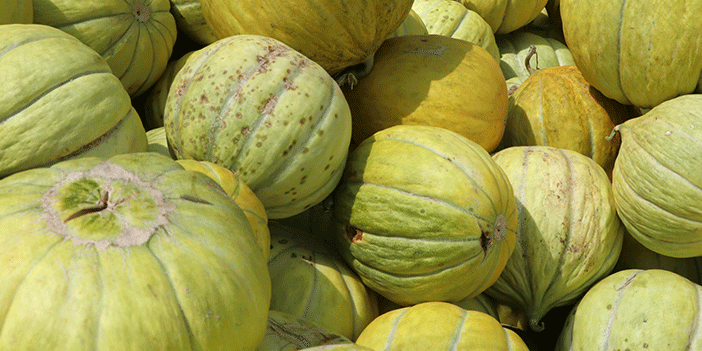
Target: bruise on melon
[(353, 234)]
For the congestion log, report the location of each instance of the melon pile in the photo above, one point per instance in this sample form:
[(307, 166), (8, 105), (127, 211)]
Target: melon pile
[(350, 175)]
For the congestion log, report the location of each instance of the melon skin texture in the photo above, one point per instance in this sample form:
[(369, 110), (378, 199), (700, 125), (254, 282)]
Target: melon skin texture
[(638, 310), (308, 278), (51, 78), (424, 214), (438, 326), (271, 115), (432, 80), (16, 11), (657, 180), (155, 104), (506, 16), (135, 37), (190, 19), (157, 142), (334, 34), (569, 235), (451, 19), (241, 194), (637, 52), (127, 253), (412, 25), (557, 107), (515, 49)]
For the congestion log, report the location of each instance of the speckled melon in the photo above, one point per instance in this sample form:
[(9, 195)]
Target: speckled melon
[(569, 235), (274, 117), (60, 100), (135, 37), (130, 252)]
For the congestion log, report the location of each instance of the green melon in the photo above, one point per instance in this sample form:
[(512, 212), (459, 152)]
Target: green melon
[(569, 234), (190, 19), (274, 117), (155, 104), (438, 326), (424, 214), (127, 253), (637, 310), (657, 181), (450, 18), (60, 101), (308, 280), (518, 60), (135, 37)]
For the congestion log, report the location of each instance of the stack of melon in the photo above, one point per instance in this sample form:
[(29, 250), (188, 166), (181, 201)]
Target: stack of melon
[(350, 175)]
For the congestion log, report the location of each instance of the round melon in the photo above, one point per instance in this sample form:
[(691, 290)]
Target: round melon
[(438, 326), (135, 37), (638, 310), (60, 101), (424, 214), (451, 19), (190, 19), (431, 80), (657, 180), (505, 16), (308, 279), (16, 11), (637, 52), (557, 107), (334, 34), (130, 252), (569, 235), (482, 303), (256, 106), (516, 51), (242, 195)]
